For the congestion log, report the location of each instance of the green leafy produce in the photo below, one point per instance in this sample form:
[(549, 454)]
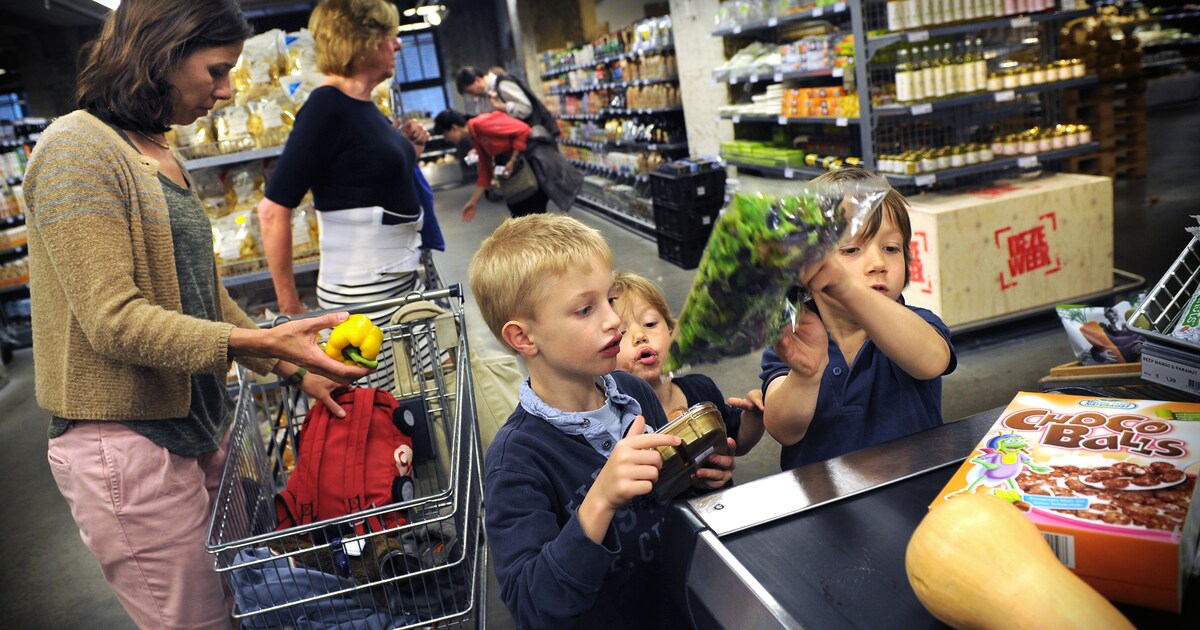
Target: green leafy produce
[(737, 302)]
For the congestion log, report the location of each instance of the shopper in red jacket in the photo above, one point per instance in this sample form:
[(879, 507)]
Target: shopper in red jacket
[(501, 142)]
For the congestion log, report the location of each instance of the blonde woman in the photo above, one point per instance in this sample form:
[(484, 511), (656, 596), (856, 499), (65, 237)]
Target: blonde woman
[(359, 169)]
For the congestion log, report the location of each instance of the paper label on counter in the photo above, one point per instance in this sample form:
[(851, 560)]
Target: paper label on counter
[(1160, 370), (1005, 96), (923, 108)]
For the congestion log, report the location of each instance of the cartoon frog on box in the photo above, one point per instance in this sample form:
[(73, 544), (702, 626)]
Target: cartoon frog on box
[(1000, 464)]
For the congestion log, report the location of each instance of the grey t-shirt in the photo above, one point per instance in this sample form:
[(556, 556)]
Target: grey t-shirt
[(207, 419)]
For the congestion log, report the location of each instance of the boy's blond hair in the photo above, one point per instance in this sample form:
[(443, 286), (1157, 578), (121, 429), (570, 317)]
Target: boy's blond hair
[(511, 272), (625, 283), (894, 203)]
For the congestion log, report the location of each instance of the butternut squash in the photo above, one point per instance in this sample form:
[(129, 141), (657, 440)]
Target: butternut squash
[(977, 562)]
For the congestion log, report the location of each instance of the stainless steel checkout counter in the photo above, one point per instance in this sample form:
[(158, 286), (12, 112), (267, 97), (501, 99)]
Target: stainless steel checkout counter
[(822, 546)]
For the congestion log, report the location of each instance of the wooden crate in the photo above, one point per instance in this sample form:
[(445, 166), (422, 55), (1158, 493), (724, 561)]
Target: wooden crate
[(1014, 246), (1102, 163)]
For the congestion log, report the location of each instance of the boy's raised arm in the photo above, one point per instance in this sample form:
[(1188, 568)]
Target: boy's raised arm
[(790, 401)]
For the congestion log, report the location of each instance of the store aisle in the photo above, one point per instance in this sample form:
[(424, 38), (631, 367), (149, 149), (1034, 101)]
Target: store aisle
[(50, 581)]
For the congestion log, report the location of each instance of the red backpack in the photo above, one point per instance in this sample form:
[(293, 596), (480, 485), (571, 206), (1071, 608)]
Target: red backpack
[(346, 465)]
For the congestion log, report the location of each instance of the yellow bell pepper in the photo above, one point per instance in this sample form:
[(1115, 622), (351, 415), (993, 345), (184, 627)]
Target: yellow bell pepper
[(355, 341)]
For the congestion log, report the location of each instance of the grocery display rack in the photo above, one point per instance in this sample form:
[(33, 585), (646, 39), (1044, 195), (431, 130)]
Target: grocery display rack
[(1167, 359), (890, 128)]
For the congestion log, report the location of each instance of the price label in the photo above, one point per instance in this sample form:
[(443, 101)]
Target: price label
[(652, 147), (754, 78), (918, 36), (772, 22), (922, 109), (778, 77), (736, 119), (818, 12), (839, 72), (1006, 95), (1022, 22), (839, 7), (1027, 161), (788, 173), (928, 179), (732, 80), (783, 120), (737, 30), (842, 121)]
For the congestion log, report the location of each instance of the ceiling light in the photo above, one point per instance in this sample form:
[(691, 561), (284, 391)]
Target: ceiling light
[(108, 4), (434, 18), (409, 12), (419, 26), (3, 71)]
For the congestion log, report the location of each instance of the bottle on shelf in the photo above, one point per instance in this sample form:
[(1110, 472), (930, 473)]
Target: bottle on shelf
[(949, 71), (939, 73), (927, 72), (897, 11), (966, 69), (904, 77), (979, 64)]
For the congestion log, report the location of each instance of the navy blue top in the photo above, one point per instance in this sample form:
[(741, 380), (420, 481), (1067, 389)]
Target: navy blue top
[(347, 152), (871, 403), (551, 574), (698, 388)]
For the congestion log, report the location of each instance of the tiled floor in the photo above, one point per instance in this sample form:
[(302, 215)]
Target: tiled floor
[(50, 581)]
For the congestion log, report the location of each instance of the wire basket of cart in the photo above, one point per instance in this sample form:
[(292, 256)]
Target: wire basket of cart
[(414, 563)]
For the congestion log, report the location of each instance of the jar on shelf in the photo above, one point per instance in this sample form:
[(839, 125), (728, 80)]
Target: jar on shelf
[(1038, 75), (1071, 134), (943, 159), (1044, 142), (986, 154), (1057, 141), (1085, 134), (1009, 79), (1051, 72), (998, 145), (958, 158), (928, 163), (995, 82), (1029, 144), (971, 154), (1024, 77), (1078, 68), (1011, 146)]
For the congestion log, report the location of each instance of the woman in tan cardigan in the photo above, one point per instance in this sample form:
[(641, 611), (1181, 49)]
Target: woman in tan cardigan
[(133, 331)]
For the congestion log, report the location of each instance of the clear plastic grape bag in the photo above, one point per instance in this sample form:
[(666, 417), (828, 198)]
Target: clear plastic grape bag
[(738, 300)]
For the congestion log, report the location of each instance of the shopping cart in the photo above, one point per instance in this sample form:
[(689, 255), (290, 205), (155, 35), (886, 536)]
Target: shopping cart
[(427, 572)]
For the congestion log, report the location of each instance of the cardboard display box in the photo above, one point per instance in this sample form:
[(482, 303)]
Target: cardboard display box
[(1111, 484), (1013, 246)]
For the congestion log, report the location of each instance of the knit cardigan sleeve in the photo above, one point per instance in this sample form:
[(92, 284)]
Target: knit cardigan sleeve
[(90, 204)]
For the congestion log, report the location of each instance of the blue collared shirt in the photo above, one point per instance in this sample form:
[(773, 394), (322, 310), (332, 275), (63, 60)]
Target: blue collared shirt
[(601, 437), (871, 402)]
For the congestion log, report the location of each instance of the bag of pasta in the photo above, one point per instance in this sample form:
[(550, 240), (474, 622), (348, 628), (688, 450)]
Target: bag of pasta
[(236, 244), (738, 300)]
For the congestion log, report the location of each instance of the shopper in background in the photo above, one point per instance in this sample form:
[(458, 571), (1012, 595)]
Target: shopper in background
[(864, 368), (132, 330), (360, 171), (501, 141), (574, 537), (507, 94), (646, 327)]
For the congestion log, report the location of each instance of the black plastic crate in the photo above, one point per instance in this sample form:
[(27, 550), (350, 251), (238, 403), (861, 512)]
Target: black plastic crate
[(702, 187), (683, 253), (688, 222)]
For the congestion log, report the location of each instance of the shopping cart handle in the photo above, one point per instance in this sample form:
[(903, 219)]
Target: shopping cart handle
[(452, 291)]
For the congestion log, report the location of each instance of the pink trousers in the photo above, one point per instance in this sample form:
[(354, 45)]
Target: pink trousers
[(144, 513)]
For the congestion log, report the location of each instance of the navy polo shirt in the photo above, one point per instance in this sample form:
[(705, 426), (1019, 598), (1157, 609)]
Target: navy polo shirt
[(698, 388), (870, 403)]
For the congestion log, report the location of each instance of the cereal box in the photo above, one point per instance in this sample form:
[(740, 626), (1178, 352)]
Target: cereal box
[(1111, 484)]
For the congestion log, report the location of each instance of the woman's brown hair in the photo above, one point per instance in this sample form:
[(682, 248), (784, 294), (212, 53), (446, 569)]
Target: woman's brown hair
[(124, 75)]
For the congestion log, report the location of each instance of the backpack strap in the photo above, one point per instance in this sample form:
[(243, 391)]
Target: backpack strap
[(297, 503), (355, 474)]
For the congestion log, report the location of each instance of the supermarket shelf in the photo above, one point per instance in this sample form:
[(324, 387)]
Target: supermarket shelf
[(612, 86), (265, 274), (13, 221), (1162, 63), (879, 42), (634, 224), (1002, 96), (14, 288), (609, 112), (776, 76), (609, 59), (624, 144), (838, 10), (608, 172), (786, 120), (999, 164), (1182, 41), (23, 248), (233, 158), (777, 172)]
